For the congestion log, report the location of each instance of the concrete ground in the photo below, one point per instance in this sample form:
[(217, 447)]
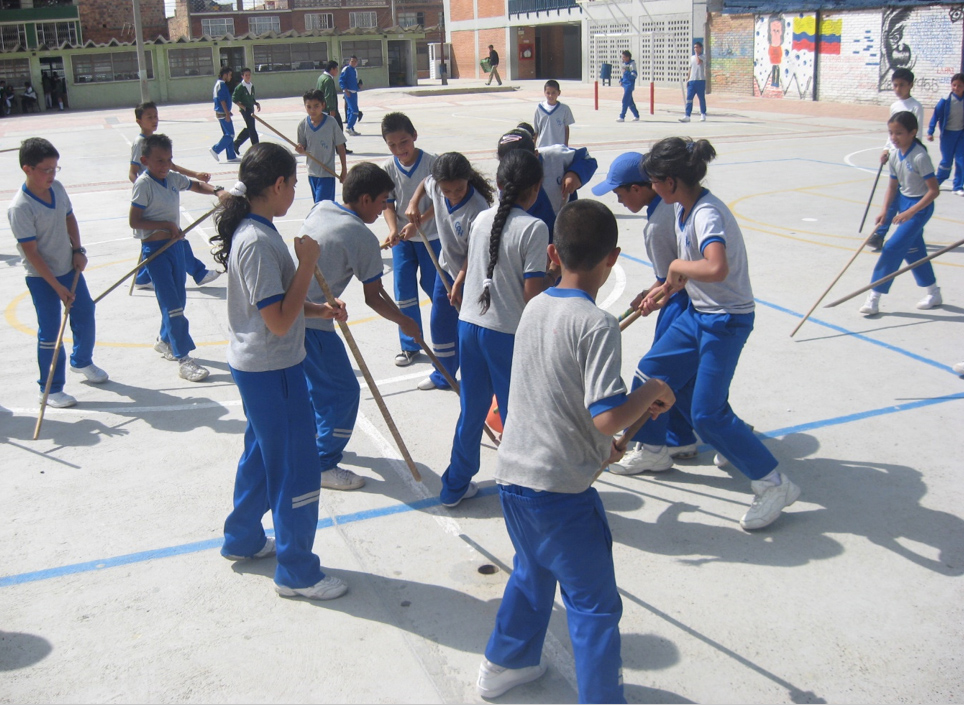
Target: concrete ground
[(112, 587)]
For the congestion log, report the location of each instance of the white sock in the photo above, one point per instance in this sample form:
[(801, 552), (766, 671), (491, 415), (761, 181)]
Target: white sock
[(653, 449), (933, 289), (773, 478), (874, 296)]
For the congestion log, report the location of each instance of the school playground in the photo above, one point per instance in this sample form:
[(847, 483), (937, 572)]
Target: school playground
[(111, 584)]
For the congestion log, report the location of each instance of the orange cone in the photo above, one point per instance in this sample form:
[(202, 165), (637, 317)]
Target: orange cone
[(493, 420)]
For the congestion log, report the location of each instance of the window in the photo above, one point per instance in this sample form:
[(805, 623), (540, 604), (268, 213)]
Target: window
[(368, 53), (15, 71), (363, 19), (309, 56), (218, 26), (190, 62), (411, 19), (421, 56), (11, 35), (116, 66), (324, 20), (53, 34), (264, 24)]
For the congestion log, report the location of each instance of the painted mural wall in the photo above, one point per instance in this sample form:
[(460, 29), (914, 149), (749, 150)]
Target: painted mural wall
[(784, 55)]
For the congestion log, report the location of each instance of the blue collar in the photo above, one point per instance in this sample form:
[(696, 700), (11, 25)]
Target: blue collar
[(954, 96), (682, 220), (468, 196), (549, 112), (410, 170), (560, 293), (347, 210), (311, 125), (652, 206), (53, 198), (143, 135), (162, 182), (263, 221)]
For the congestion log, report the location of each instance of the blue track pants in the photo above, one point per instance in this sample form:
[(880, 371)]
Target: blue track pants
[(226, 143), (322, 188), (695, 89), (167, 273), (628, 104), (952, 153), (445, 332), (413, 268), (49, 311), (907, 244), (351, 109), (192, 265), (334, 393)]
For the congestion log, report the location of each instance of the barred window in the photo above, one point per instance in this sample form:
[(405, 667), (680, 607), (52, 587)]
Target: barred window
[(368, 53), (15, 71), (217, 26), (190, 62), (324, 20), (411, 19), (11, 35), (264, 24), (56, 33), (365, 20), (308, 56), (113, 66)]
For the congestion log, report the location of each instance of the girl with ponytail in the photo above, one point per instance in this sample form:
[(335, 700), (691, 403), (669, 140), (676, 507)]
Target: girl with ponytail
[(279, 468), (698, 354), (505, 268)]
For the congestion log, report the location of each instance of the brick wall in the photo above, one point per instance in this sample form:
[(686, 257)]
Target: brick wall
[(103, 20), (495, 37), (730, 50), (463, 55), (178, 25), (492, 8), (461, 10)]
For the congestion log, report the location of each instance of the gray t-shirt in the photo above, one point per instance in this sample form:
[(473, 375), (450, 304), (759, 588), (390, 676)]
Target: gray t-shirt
[(137, 149), (556, 159), (260, 270), (910, 105), (348, 248), (159, 199), (321, 143), (452, 222), (660, 236), (912, 170), (711, 221), (551, 122), (407, 179), (522, 254), (32, 219), (565, 371)]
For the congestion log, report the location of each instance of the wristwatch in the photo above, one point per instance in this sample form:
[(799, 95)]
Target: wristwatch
[(80, 251)]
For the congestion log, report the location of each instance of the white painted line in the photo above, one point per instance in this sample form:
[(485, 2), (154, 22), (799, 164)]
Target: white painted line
[(849, 162), (619, 286)]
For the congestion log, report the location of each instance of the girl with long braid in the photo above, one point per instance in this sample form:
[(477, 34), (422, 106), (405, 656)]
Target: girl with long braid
[(504, 269)]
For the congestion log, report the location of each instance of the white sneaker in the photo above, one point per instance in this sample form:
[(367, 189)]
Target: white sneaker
[(686, 452), (209, 277), (164, 349), (620, 120), (353, 133), (958, 368), (719, 461), (645, 458), (268, 549), (496, 680), (191, 371), (58, 400), (92, 372), (145, 287), (685, 118), (635, 119), (328, 588), (427, 384), (769, 501), (215, 155), (337, 478), (703, 117), (931, 300), (959, 192), (234, 160), (405, 358), (469, 494), (871, 306)]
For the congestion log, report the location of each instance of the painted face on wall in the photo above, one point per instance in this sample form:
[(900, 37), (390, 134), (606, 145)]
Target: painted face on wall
[(776, 33)]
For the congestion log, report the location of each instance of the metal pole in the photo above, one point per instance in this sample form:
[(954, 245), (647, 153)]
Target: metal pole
[(139, 43)]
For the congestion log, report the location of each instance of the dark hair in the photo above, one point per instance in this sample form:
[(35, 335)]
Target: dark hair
[(35, 149), (331, 65), (903, 75), (513, 140), (452, 166), (156, 141), (353, 57), (908, 121), (527, 127), (585, 234), (628, 53), (397, 122), (260, 168), (141, 108), (519, 171), (225, 70), (315, 94), (552, 83), (245, 70), (368, 179), (698, 44), (957, 77), (682, 159)]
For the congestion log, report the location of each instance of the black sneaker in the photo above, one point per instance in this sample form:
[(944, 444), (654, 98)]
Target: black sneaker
[(875, 243), (405, 358), (360, 115)]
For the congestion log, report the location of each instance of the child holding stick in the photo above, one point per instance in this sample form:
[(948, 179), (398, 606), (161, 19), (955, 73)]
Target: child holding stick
[(266, 316), (568, 352), (504, 269), (48, 237), (320, 137)]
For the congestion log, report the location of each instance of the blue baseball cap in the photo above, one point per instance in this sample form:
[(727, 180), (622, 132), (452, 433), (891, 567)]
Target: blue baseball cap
[(626, 169)]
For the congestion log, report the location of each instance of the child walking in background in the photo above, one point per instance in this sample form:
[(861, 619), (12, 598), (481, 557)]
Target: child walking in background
[(458, 194), (704, 343), (154, 216), (552, 119), (696, 86), (48, 237), (558, 436), (320, 137), (243, 97), (949, 114), (147, 118), (222, 111), (628, 81), (914, 187), (279, 469), (348, 249), (505, 268)]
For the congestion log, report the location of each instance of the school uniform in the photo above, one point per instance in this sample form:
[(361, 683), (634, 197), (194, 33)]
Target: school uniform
[(556, 161), (243, 96), (911, 171), (348, 82), (550, 122), (410, 259), (348, 249), (486, 339), (279, 469), (452, 223), (704, 343), (910, 105), (222, 94), (159, 199), (949, 114), (321, 142), (696, 85), (568, 352), (628, 81), (45, 222), (193, 266)]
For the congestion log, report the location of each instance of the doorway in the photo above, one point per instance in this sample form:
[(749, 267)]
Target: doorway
[(399, 63), (53, 81), (232, 57)]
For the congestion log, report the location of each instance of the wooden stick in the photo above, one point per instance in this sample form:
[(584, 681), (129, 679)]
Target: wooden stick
[(896, 274), (12, 149), (629, 320), (850, 261), (438, 267), (356, 353), (154, 256), (625, 314), (294, 144), (53, 361)]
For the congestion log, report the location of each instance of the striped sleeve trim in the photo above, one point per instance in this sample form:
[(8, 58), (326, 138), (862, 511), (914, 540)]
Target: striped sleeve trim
[(32, 238), (373, 279), (613, 402), (264, 303), (533, 275), (710, 241), (138, 205)]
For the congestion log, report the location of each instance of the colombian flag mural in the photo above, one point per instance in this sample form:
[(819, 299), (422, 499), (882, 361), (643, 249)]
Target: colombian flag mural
[(830, 31), (804, 33)]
